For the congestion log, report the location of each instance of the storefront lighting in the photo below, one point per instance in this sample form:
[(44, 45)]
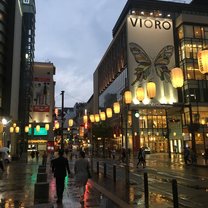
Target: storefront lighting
[(116, 107), (177, 77), (140, 94), (127, 97), (109, 112), (151, 90), (203, 61), (71, 122)]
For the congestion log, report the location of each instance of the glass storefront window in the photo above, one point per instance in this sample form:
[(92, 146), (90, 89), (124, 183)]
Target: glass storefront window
[(180, 33), (197, 32), (188, 31)]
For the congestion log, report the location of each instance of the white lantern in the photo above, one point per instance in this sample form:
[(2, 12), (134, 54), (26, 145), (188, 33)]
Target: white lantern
[(140, 94), (47, 127), (109, 112), (151, 90), (127, 97), (57, 125), (85, 118), (102, 116), (71, 122), (11, 129), (38, 128), (203, 61), (17, 129), (97, 117), (26, 129), (92, 118), (116, 107), (177, 77)]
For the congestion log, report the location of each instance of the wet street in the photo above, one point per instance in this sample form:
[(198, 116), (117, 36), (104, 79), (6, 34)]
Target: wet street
[(18, 180)]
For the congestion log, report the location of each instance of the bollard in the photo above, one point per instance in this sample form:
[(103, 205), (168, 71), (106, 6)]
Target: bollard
[(41, 169), (98, 167), (105, 169), (175, 193), (41, 193), (41, 177), (146, 191), (114, 173)]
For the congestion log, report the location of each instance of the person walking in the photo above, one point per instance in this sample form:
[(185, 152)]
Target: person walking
[(82, 173), (60, 168), (139, 157), (44, 158), (187, 155)]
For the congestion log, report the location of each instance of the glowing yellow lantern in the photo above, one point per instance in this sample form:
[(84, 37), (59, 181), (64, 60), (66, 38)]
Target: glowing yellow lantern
[(71, 122), (151, 90), (17, 129), (203, 61), (127, 97), (92, 118), (109, 112), (26, 129), (11, 129), (177, 77), (85, 119), (14, 125), (57, 125), (38, 128), (102, 116), (140, 94), (97, 117), (47, 127), (116, 107)]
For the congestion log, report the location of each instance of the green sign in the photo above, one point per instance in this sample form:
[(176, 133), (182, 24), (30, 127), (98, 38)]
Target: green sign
[(42, 132)]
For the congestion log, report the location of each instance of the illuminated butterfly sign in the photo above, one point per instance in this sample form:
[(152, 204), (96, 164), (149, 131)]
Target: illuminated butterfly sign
[(146, 66)]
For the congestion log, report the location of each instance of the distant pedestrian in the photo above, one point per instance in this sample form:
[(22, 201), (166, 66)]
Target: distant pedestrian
[(37, 155), (187, 155), (193, 157), (143, 157), (206, 155), (60, 168), (32, 154), (123, 155), (139, 157), (114, 154), (2, 161), (44, 158), (82, 173)]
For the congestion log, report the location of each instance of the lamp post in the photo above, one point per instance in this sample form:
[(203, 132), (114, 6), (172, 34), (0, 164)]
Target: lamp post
[(62, 120), (127, 102)]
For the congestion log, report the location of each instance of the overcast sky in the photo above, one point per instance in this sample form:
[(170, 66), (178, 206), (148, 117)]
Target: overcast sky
[(74, 35)]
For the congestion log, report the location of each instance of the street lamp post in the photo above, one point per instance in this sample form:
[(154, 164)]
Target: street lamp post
[(62, 120)]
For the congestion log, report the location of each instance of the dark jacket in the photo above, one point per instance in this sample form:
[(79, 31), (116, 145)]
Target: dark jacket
[(59, 166)]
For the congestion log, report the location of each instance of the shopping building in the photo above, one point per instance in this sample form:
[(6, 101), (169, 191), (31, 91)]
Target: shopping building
[(40, 134), (149, 39)]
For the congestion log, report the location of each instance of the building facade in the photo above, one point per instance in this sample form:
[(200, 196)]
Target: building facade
[(42, 108), (10, 61), (149, 39)]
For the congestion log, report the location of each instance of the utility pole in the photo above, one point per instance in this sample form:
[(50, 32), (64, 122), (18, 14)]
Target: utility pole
[(62, 120)]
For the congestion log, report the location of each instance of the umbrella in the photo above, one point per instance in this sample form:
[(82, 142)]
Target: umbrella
[(4, 149)]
